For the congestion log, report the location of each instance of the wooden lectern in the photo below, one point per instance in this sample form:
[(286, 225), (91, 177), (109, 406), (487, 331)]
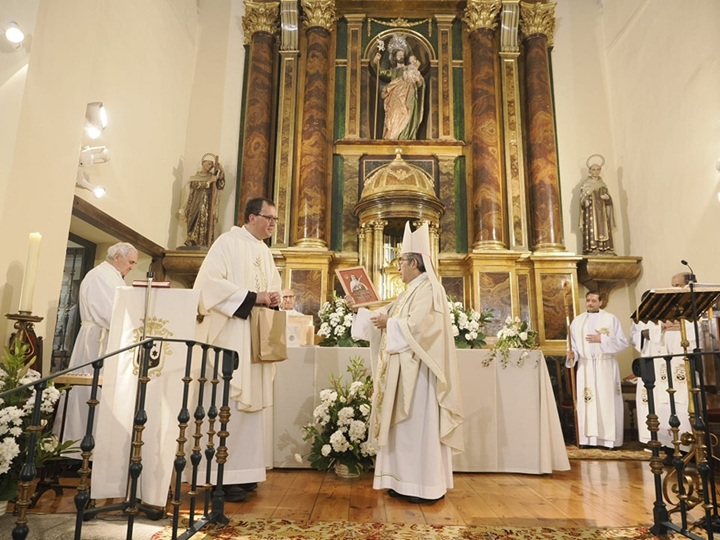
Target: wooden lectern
[(692, 478)]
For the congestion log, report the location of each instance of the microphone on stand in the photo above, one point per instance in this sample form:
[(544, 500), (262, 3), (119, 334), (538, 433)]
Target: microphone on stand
[(692, 278)]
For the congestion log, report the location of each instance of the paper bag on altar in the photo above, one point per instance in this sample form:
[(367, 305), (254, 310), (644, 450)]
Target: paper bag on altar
[(267, 335)]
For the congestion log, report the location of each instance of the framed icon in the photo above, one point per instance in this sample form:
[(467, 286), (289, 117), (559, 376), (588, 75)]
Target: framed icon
[(356, 283)]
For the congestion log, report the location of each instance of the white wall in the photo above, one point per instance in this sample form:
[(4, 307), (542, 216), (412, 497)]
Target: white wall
[(637, 81), (166, 71)]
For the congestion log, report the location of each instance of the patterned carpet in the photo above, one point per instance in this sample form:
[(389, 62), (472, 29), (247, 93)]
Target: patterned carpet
[(632, 451), (275, 529)]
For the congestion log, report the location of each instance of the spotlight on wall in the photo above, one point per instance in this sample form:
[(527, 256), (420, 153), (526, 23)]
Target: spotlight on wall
[(95, 119), (13, 33), (83, 182), (90, 155)]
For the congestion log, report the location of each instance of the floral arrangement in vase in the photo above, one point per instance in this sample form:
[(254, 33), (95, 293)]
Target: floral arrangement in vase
[(515, 334), (339, 432), (467, 325), (336, 319), (16, 417)]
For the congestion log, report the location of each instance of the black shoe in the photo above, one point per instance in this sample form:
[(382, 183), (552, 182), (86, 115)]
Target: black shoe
[(234, 493), (420, 500), (252, 486), (395, 494)]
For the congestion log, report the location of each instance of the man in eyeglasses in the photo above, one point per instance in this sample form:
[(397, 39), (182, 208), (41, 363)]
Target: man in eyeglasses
[(287, 302), (237, 275)]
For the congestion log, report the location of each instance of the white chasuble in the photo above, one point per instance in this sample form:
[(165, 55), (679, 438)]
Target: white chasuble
[(171, 313)]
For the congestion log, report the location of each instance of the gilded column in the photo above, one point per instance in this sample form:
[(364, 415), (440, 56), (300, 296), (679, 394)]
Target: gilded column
[(445, 77), (313, 181), (260, 24), (512, 125), (286, 120), (487, 196), (353, 96), (537, 24)]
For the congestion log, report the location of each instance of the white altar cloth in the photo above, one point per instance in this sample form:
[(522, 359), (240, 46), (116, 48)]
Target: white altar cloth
[(511, 418), (171, 314)]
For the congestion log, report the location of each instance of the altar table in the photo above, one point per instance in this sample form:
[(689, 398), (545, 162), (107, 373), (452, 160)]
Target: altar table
[(511, 419)]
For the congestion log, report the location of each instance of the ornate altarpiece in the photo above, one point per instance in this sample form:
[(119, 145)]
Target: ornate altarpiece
[(473, 151)]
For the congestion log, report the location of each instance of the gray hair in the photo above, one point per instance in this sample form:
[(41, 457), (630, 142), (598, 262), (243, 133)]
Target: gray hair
[(121, 248), (418, 258)]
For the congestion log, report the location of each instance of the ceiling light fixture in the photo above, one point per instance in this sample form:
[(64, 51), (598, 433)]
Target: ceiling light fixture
[(13, 33), (96, 119), (90, 155)]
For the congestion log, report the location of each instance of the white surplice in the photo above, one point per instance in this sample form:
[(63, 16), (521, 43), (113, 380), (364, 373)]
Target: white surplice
[(238, 263), (171, 313), (599, 397), (660, 342), (96, 297)]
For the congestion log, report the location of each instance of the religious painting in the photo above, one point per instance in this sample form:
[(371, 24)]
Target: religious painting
[(356, 283)]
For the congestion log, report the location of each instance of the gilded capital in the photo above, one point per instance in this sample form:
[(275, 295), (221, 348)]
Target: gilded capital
[(538, 19), (481, 14), (260, 17), (319, 13)]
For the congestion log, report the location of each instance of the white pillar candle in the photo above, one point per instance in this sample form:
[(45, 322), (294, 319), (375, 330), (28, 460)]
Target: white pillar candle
[(28, 286)]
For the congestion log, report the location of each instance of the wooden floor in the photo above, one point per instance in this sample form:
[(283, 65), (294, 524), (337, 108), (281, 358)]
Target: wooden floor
[(591, 494)]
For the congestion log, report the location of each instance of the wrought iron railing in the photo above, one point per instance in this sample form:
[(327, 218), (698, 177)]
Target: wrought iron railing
[(690, 481), (210, 416)]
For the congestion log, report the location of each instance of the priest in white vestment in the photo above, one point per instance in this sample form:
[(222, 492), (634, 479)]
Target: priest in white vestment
[(96, 297), (655, 339), (237, 274), (597, 338), (416, 420)]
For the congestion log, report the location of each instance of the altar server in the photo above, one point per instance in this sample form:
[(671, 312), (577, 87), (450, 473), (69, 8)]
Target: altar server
[(416, 421), (655, 339), (239, 273), (597, 338)]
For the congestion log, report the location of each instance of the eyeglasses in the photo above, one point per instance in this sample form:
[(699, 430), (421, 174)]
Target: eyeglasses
[(401, 260), (269, 218), (286, 297)]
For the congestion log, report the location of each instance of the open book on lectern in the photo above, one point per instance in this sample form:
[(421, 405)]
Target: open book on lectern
[(676, 303)]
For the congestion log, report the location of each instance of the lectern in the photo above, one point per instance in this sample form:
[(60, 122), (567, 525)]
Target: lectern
[(692, 478)]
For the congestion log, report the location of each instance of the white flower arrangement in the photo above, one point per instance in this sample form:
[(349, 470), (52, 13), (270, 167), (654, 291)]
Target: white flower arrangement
[(467, 325), (516, 334), (339, 433), (16, 417), (336, 319)]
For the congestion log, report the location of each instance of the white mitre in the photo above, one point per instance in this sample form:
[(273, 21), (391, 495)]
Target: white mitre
[(419, 242)]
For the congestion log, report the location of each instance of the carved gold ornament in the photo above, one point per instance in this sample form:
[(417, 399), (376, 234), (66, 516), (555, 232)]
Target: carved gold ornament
[(538, 19), (260, 17), (481, 14), (319, 13)]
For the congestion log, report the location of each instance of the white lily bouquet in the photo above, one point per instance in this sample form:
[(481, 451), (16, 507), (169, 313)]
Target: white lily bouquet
[(467, 325), (516, 334)]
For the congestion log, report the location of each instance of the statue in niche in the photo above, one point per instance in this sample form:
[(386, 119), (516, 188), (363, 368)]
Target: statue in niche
[(596, 210), (404, 94), (200, 210)]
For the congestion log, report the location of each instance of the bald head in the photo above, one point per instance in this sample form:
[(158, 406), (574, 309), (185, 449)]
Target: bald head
[(680, 280)]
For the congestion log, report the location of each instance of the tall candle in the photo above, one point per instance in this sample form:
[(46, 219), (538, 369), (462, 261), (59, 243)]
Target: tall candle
[(28, 287)]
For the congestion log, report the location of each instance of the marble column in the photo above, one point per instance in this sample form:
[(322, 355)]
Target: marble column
[(537, 24), (313, 178), (487, 196), (260, 23)]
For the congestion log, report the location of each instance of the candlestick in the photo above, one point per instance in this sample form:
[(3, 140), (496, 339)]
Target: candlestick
[(28, 286)]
